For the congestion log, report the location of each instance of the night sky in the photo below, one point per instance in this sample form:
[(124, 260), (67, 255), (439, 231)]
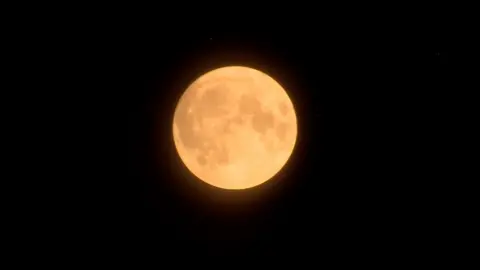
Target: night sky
[(359, 184)]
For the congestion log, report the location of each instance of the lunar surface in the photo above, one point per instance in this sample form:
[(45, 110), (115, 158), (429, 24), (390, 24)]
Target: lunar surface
[(234, 127)]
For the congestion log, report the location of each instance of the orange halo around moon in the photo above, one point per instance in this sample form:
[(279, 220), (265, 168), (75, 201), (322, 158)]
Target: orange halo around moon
[(235, 127)]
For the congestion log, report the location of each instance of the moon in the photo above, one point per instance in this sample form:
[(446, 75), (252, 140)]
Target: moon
[(234, 127)]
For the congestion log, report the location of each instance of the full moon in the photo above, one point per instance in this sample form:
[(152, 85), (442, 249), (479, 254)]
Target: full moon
[(234, 127)]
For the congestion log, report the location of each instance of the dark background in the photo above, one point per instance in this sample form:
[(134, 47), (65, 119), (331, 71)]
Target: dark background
[(370, 100)]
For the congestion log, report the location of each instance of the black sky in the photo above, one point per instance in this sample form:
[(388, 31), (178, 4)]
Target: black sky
[(368, 99)]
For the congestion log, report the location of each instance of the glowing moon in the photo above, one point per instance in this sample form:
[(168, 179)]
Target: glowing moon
[(235, 127)]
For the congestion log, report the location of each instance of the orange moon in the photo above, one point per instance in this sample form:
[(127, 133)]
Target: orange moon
[(235, 127)]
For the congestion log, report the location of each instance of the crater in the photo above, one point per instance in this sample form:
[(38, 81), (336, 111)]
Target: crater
[(248, 105), (283, 108), (238, 120), (262, 121), (281, 131), (208, 146), (185, 125), (202, 160), (222, 155), (212, 103), (214, 96), (268, 143), (226, 128)]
